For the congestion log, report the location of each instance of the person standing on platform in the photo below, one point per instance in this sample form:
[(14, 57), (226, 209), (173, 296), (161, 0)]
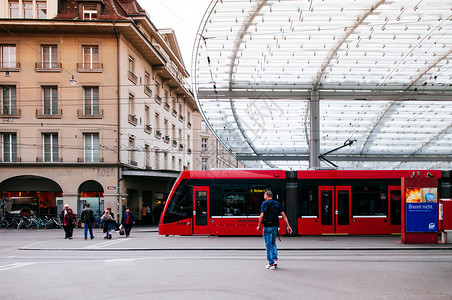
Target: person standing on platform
[(62, 214), (70, 221), (143, 214), (88, 220), (270, 211), (128, 219)]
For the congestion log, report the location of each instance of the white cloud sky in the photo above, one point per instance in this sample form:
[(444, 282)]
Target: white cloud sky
[(184, 16)]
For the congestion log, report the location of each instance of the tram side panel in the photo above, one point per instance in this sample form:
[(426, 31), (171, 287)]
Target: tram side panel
[(233, 206), (349, 206)]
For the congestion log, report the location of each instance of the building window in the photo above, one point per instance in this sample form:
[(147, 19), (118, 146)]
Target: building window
[(188, 142), (9, 147), (91, 147), (203, 144), (157, 160), (28, 9), (157, 121), (13, 9), (41, 9), (204, 164), (132, 117), (203, 126), (180, 164), (89, 12), (165, 123), (147, 156), (165, 161), (50, 100), (131, 70), (147, 84), (91, 57), (147, 119), (131, 149), (49, 57), (91, 101), (9, 100), (8, 56), (50, 143), (173, 131), (173, 163)]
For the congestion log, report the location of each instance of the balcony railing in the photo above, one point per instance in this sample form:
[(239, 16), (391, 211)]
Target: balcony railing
[(148, 91), (14, 160), (90, 67), (48, 66), (14, 113), (41, 159), (148, 128), (9, 66), (90, 115), (82, 159), (49, 114), (132, 77), (133, 120)]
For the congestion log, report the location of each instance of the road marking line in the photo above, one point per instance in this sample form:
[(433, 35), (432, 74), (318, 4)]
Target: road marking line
[(34, 244), (15, 265), (104, 244)]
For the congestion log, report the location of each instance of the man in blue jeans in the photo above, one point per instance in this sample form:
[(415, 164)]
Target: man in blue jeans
[(270, 211), (88, 219)]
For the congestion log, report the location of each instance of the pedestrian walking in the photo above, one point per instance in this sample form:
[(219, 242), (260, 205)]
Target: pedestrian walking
[(62, 214), (107, 220), (128, 219), (70, 221), (88, 219), (269, 217)]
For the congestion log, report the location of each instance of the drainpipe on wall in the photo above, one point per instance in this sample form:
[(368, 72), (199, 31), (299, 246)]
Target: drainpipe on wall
[(118, 93)]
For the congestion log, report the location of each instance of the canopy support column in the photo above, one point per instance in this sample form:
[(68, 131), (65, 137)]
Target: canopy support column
[(314, 136)]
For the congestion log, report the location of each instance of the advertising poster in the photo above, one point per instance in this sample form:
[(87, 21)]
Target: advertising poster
[(421, 209)]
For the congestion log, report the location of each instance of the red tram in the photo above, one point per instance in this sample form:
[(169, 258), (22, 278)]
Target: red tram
[(227, 202)]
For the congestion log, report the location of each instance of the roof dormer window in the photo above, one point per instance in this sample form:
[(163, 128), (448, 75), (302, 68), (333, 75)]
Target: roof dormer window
[(90, 11)]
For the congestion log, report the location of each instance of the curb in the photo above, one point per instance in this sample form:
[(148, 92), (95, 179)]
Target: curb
[(243, 249)]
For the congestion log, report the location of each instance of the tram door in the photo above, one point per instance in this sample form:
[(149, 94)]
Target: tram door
[(395, 208), (200, 210), (335, 209)]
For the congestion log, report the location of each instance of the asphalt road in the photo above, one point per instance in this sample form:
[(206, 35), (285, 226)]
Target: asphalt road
[(220, 274)]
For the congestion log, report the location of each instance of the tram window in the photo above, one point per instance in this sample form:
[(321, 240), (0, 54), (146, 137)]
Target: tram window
[(234, 203), (369, 201), (308, 202), (180, 207), (255, 199)]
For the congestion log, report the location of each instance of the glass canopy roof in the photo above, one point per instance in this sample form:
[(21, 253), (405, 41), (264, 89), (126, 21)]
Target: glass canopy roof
[(282, 82)]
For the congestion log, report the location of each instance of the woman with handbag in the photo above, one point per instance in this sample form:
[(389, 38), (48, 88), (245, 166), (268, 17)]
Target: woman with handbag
[(70, 221), (107, 221)]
